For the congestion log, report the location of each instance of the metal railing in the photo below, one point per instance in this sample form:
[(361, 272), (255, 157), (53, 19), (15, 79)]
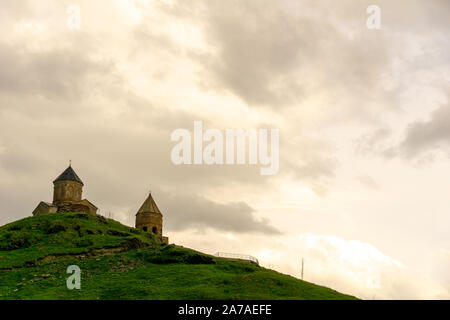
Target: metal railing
[(238, 256)]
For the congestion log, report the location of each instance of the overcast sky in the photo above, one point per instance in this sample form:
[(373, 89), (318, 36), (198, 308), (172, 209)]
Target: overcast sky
[(362, 193)]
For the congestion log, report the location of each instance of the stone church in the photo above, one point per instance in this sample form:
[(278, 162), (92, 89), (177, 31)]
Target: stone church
[(67, 197), (67, 193)]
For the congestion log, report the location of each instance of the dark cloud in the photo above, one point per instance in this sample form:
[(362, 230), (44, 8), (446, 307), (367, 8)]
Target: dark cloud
[(187, 211), (422, 138), (53, 74), (428, 135), (258, 50), (272, 55)]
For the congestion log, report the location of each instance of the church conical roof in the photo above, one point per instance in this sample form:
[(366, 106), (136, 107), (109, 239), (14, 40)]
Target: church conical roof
[(68, 175), (149, 206)]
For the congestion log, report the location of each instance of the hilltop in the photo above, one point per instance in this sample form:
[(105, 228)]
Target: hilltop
[(120, 262)]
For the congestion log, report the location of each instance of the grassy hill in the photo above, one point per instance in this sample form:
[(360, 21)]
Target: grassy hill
[(119, 262)]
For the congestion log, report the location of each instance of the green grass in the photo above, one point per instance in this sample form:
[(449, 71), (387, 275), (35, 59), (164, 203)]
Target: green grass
[(119, 262)]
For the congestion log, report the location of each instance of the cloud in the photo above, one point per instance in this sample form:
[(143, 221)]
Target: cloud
[(422, 139), (193, 212), (274, 54), (428, 135), (350, 266), (370, 142), (368, 181), (58, 73)]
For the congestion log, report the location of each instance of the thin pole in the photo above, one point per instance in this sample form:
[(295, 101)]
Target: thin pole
[(302, 268)]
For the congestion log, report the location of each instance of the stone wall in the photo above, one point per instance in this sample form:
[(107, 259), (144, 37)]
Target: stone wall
[(66, 191), (73, 207), (44, 208), (149, 221)]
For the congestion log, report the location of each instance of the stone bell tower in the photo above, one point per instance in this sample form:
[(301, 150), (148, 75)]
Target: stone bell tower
[(150, 219)]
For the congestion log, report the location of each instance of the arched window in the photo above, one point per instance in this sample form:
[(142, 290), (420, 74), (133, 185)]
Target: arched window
[(154, 230), (69, 192), (144, 228)]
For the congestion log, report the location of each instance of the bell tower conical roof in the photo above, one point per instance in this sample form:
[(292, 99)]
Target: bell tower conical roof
[(149, 206), (69, 175)]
